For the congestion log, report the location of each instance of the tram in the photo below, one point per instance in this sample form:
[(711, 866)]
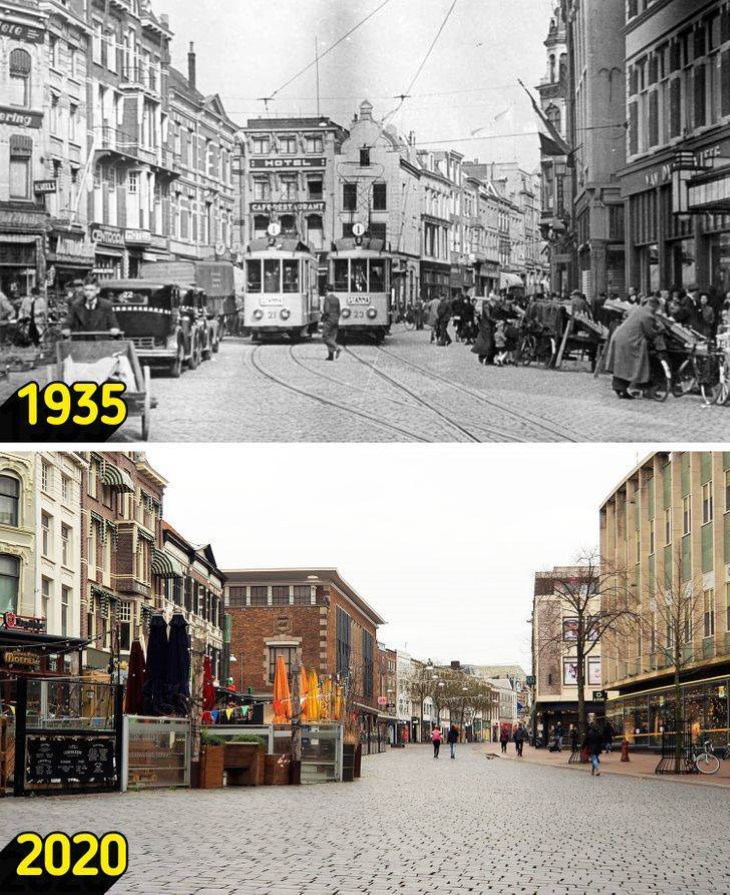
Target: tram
[(360, 271), (281, 288)]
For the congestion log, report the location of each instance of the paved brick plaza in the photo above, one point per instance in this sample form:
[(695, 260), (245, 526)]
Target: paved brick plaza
[(413, 825)]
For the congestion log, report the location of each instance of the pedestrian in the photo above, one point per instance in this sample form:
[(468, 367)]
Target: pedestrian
[(91, 313), (559, 734), (519, 738), (436, 740), (608, 734), (706, 317), (452, 738), (420, 312), (504, 739), (484, 343), (593, 742), (444, 315), (331, 322), (573, 738), (433, 317), (628, 351)]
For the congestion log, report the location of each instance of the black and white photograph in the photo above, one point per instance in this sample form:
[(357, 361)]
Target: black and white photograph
[(373, 221)]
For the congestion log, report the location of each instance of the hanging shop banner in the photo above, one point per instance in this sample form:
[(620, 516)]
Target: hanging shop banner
[(14, 30), (20, 117), (287, 163)]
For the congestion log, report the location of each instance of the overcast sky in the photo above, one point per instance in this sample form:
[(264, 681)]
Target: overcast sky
[(443, 541), (249, 48)]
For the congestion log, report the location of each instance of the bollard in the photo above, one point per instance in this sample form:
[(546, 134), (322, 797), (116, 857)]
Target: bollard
[(625, 750)]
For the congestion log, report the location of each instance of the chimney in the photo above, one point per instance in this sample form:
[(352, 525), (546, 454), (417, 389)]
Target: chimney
[(191, 65)]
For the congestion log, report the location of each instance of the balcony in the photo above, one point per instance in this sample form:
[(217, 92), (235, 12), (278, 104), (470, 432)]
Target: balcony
[(137, 77)]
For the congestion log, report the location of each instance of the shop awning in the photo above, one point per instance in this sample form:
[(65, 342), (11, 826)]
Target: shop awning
[(165, 566), (710, 192), (117, 479), (510, 281)]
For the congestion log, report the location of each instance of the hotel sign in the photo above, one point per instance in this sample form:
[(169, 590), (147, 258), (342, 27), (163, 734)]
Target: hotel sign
[(283, 207), (20, 117), (274, 164), (16, 31), (45, 186)]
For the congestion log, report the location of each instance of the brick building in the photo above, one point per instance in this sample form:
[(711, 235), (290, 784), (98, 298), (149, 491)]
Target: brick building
[(121, 507), (311, 617)]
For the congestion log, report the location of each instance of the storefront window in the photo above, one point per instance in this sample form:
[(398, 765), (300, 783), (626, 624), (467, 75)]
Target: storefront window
[(9, 582), (341, 273), (694, 710), (253, 276)]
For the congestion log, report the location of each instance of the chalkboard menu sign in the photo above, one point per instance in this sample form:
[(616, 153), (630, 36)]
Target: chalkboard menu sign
[(66, 759)]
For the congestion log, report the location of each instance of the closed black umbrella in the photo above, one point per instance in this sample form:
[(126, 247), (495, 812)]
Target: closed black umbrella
[(154, 690), (178, 679), (133, 698)]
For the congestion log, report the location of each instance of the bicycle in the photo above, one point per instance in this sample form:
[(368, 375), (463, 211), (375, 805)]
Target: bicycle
[(704, 759)]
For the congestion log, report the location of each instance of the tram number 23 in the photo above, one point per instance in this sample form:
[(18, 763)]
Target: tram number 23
[(357, 314), (43, 863)]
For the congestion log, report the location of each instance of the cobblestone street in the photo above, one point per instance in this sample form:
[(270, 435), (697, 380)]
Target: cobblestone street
[(413, 825), (408, 391)]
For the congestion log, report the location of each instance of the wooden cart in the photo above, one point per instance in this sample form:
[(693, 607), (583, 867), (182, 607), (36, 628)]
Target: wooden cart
[(90, 347)]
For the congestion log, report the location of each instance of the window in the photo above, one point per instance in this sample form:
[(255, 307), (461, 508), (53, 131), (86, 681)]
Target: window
[(96, 42), (124, 619), (46, 523), (65, 488), (377, 275), (261, 189), (261, 145), (46, 590), (259, 595), (54, 52), (272, 275), (291, 275), (349, 196), (9, 582), (253, 276), (9, 500), (236, 596), (65, 600), (365, 157), (687, 514), (288, 145), (302, 595), (378, 230), (21, 149), (367, 664), (708, 616), (288, 187), (133, 183), (344, 633), (314, 144), (707, 503), (379, 197), (73, 122), (652, 538), (20, 67), (314, 188), (288, 652), (280, 595), (667, 526), (55, 115), (65, 545)]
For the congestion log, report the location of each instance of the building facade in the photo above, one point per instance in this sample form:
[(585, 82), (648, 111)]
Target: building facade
[(311, 617), (436, 224), (676, 182), (554, 653), (665, 530)]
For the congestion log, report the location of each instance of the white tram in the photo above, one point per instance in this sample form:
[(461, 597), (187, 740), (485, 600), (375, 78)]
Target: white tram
[(360, 271), (281, 288)]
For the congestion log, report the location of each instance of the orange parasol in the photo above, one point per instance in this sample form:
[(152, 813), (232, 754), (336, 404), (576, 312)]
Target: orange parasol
[(325, 702), (313, 706), (282, 696), (303, 697), (339, 702)]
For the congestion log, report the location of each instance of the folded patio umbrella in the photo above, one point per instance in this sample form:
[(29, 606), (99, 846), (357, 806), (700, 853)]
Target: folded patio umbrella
[(178, 677), (313, 700), (282, 695), (155, 676), (133, 698), (208, 688), (303, 695), (325, 701)]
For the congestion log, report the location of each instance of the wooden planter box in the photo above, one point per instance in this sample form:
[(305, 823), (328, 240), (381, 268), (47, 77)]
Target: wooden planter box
[(348, 762), (242, 762), (277, 770), (211, 766)]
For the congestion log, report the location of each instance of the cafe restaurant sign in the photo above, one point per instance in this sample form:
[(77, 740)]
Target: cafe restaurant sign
[(16, 31), (138, 237), (20, 657), (20, 117), (105, 235), (277, 164), (283, 207)]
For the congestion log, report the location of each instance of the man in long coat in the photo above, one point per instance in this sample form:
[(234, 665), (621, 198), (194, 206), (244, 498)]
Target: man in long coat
[(628, 352), (331, 322), (91, 314), (444, 315)]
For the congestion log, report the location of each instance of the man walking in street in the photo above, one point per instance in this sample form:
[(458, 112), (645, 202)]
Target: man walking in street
[(452, 738), (519, 738), (433, 317), (91, 314), (331, 323), (444, 315)]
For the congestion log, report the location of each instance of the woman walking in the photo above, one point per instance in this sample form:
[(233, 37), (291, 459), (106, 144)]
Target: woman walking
[(593, 742), (504, 739), (452, 738), (436, 740)]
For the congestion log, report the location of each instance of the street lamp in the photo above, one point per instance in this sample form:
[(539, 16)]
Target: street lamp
[(234, 659)]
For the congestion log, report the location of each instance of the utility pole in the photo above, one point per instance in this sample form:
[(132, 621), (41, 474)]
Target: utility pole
[(296, 727)]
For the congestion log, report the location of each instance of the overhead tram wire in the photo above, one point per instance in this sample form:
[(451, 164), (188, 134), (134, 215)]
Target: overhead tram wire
[(321, 56), (407, 93)]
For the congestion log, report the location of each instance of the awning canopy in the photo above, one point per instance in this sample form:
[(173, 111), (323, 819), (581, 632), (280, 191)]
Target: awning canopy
[(117, 479), (510, 281), (165, 566)]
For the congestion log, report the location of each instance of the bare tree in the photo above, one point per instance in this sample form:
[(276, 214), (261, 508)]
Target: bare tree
[(419, 685), (588, 605)]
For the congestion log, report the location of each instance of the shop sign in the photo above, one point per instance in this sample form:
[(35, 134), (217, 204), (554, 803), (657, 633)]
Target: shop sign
[(138, 236), (104, 235), (20, 118), (62, 757), (45, 186), (23, 658), (28, 33), (286, 206), (287, 163), (530, 680), (690, 160), (600, 696), (24, 622)]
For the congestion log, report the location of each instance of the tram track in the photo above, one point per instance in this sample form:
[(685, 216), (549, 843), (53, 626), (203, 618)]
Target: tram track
[(536, 422), (327, 402)]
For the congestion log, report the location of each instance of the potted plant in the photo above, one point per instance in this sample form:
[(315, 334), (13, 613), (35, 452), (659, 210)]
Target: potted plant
[(350, 741), (211, 760), (244, 759)]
